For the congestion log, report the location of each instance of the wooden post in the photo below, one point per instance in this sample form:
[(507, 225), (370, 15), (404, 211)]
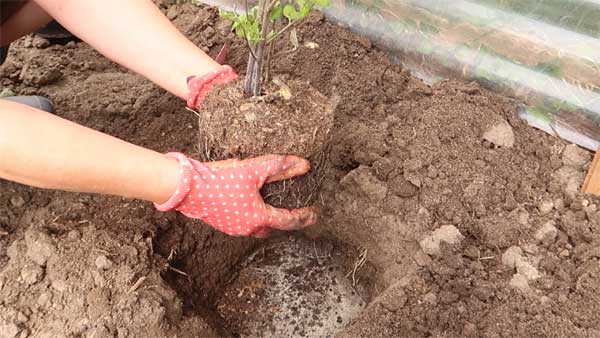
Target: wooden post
[(591, 185)]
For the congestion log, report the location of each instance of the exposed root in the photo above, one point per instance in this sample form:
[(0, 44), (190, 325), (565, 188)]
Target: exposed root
[(358, 264), (136, 285)]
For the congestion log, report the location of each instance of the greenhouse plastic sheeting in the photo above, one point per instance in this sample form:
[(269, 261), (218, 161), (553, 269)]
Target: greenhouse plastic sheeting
[(546, 53)]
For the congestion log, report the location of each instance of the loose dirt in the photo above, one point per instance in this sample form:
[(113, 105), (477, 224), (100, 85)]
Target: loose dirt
[(449, 216)]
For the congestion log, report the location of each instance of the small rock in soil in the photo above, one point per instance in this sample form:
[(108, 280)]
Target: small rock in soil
[(103, 263), (430, 298), (122, 332), (44, 299), (570, 179), (446, 233), (40, 42), (403, 188), (547, 233), (21, 317), (511, 256), (500, 134), (527, 270), (422, 259), (39, 246), (559, 204), (31, 274), (523, 217), (17, 201), (545, 207), (564, 253), (520, 282), (573, 156)]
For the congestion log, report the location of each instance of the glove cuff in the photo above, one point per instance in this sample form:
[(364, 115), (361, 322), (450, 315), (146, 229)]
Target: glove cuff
[(198, 86), (183, 187)]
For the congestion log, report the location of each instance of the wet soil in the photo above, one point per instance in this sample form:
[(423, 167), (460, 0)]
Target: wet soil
[(468, 221)]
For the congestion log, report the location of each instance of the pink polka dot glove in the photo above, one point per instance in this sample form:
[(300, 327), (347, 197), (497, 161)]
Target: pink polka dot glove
[(198, 86), (226, 196)]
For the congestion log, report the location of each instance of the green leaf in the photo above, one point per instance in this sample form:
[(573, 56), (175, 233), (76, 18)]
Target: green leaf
[(322, 3), (304, 11), (239, 30), (290, 12), (276, 12), (227, 15), (253, 13)]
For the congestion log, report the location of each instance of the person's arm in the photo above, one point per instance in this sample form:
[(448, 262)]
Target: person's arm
[(27, 18), (135, 34), (43, 150)]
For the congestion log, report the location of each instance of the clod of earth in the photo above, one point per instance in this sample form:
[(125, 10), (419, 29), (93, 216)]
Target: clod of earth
[(31, 274), (520, 282), (545, 207), (573, 156), (547, 233), (103, 263), (500, 134), (513, 258), (446, 233), (40, 246)]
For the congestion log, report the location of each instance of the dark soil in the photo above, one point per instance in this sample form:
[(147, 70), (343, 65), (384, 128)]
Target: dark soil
[(236, 126), (406, 160)]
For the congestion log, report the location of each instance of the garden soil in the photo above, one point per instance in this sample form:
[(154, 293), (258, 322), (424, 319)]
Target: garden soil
[(447, 214)]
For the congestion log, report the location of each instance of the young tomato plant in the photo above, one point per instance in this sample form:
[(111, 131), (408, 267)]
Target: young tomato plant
[(260, 26)]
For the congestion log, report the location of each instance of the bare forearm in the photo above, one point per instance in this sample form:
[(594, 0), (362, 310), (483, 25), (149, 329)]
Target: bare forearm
[(27, 19), (135, 34), (46, 151)]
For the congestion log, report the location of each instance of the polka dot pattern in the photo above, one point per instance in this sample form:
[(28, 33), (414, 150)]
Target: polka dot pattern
[(198, 86), (226, 197)]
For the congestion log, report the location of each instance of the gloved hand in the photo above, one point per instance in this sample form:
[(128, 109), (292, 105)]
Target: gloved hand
[(226, 194), (198, 86)]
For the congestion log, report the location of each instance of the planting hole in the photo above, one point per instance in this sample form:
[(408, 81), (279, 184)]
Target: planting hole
[(288, 288)]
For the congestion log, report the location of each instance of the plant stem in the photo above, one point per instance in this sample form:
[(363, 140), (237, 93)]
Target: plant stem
[(283, 30), (268, 63), (253, 84), (249, 74)]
